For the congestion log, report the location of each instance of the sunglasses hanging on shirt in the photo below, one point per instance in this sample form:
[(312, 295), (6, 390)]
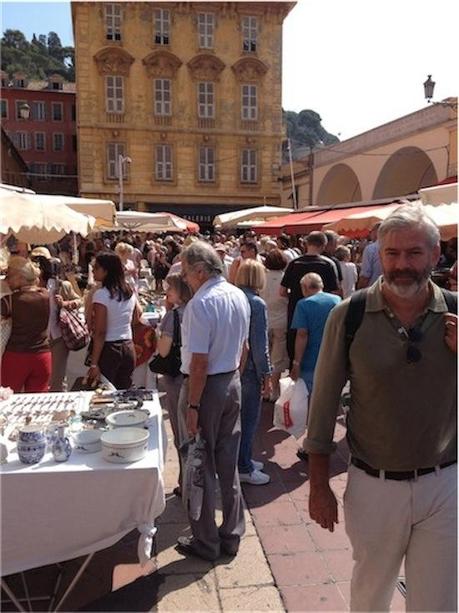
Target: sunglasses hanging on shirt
[(412, 335)]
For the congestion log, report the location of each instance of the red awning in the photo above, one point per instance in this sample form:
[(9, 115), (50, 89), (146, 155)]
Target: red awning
[(276, 226), (316, 220)]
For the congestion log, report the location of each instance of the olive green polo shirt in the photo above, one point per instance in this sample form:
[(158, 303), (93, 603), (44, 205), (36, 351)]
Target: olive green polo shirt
[(402, 416)]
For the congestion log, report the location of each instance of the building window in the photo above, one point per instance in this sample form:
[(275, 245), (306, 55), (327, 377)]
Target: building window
[(249, 102), (206, 100), (206, 27), (40, 141), (163, 163), (249, 166), (57, 85), (114, 94), (57, 111), (4, 109), (162, 26), (163, 97), (19, 83), (38, 111), (249, 33), (19, 103), (58, 142), (40, 169), (112, 21), (114, 150), (22, 141), (206, 164), (56, 169)]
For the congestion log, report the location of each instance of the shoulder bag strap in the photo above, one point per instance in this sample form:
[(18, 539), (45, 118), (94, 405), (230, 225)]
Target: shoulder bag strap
[(177, 338), (450, 299), (354, 316)]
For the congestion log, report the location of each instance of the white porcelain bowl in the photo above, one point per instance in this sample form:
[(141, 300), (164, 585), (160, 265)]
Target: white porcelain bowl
[(130, 419), (87, 441), (123, 445)]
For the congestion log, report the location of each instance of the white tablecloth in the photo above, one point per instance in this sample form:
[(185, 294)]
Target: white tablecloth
[(52, 512)]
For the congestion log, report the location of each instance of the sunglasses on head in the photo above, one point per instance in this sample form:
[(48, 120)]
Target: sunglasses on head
[(412, 335)]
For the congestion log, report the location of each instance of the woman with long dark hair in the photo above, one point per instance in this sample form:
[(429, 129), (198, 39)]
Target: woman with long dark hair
[(115, 309)]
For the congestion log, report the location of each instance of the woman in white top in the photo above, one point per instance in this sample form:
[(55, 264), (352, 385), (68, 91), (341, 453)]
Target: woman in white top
[(115, 310), (275, 264), (348, 270)]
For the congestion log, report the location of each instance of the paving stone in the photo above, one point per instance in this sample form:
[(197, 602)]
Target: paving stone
[(248, 568), (313, 598), (191, 592), (324, 539), (304, 568), (340, 564), (285, 539), (264, 598), (276, 514)]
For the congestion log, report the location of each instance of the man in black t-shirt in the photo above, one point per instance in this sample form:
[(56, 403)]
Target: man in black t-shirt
[(313, 261)]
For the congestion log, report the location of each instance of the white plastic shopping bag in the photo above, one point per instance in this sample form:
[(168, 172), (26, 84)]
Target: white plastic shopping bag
[(291, 408)]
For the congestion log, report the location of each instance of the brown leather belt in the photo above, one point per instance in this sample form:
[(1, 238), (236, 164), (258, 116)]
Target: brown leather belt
[(406, 475)]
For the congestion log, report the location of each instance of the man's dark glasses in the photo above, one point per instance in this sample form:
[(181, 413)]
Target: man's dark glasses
[(413, 335)]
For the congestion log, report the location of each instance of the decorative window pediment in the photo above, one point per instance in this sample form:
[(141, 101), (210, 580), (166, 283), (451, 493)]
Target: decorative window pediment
[(113, 61), (249, 69), (162, 64), (205, 67)]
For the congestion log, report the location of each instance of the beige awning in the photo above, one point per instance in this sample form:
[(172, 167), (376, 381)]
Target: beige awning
[(104, 211), (35, 221), (439, 194), (259, 213)]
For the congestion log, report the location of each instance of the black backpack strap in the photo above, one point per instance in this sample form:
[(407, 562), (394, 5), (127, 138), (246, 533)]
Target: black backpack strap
[(354, 316), (450, 299)]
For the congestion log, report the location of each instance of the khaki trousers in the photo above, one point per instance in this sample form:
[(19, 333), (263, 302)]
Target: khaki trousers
[(390, 521), (59, 355)]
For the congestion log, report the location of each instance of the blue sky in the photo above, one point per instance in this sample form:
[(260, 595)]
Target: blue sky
[(358, 63), (38, 18)]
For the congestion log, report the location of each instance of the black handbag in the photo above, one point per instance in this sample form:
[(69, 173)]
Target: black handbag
[(171, 363)]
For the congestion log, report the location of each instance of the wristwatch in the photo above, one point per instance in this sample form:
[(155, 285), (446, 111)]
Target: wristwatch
[(195, 407)]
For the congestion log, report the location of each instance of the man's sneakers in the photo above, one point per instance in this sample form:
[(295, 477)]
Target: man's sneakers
[(256, 477)]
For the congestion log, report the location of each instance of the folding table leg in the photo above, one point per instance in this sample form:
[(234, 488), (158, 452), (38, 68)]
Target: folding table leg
[(74, 581), (26, 591), (11, 596)]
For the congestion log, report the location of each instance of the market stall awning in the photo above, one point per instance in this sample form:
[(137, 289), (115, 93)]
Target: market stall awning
[(320, 218), (358, 225), (39, 221), (104, 211), (259, 213), (153, 222), (439, 194), (276, 226)]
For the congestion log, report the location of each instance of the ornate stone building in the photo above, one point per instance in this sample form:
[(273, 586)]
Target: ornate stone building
[(191, 93)]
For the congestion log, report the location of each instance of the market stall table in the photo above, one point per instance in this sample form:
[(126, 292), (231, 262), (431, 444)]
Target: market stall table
[(53, 512)]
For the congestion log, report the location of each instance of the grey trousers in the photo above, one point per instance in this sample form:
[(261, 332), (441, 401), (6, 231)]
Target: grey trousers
[(220, 424), (172, 387), (59, 356)]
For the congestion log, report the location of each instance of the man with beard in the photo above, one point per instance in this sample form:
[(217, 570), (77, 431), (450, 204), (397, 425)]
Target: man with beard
[(400, 499)]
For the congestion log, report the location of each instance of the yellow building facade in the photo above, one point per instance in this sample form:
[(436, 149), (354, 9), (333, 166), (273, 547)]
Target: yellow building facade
[(191, 93)]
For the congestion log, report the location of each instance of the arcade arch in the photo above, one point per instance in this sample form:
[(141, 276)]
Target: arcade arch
[(406, 171), (340, 184)]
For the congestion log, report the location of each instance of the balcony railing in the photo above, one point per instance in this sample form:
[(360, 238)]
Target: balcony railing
[(206, 123), (115, 117), (162, 120), (249, 126)]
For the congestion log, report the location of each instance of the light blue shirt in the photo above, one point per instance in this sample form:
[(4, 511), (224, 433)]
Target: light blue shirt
[(215, 322), (371, 262)]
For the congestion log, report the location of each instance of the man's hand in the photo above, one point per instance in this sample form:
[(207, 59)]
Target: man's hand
[(267, 387), (295, 372), (323, 507), (192, 421), (58, 300), (93, 375), (451, 331)]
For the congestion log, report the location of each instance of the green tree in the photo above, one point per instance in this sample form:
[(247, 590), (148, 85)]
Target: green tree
[(305, 131)]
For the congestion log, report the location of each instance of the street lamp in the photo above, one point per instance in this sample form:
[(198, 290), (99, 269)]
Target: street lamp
[(429, 87), (24, 110), (122, 159)]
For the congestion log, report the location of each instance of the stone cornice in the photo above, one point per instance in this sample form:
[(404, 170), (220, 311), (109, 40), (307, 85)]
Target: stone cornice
[(249, 69), (113, 61), (162, 64), (205, 67), (419, 121)]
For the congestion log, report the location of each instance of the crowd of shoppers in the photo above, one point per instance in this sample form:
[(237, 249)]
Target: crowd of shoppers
[(242, 313)]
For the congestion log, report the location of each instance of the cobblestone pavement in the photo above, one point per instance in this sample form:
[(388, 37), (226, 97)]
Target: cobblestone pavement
[(285, 563)]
